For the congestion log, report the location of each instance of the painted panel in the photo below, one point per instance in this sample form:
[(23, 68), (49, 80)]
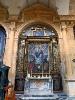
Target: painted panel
[(38, 57)]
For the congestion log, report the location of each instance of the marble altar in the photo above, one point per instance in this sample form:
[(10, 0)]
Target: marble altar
[(40, 88)]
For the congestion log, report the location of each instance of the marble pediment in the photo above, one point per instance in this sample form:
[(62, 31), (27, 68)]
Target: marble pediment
[(38, 11)]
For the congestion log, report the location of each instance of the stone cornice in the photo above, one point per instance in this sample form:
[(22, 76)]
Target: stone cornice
[(36, 12), (70, 80), (67, 17)]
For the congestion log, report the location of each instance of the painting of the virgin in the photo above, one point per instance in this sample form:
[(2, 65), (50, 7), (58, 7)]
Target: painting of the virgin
[(38, 57)]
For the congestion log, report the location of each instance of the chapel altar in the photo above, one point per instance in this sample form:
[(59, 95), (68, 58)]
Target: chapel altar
[(38, 88), (41, 86), (38, 82), (37, 62), (38, 67)]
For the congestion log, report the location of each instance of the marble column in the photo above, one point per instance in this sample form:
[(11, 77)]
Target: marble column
[(66, 57), (14, 58), (71, 42), (9, 50), (66, 50)]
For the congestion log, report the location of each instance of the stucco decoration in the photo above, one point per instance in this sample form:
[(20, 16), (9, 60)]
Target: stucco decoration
[(37, 12)]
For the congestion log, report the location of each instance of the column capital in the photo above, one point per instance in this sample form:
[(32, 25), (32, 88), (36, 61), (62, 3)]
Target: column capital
[(70, 24), (63, 26), (67, 24), (12, 26)]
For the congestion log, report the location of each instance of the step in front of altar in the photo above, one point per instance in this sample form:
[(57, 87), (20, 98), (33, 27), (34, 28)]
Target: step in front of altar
[(39, 97), (61, 95), (38, 94)]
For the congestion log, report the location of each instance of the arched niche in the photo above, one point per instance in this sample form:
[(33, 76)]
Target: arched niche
[(43, 30)]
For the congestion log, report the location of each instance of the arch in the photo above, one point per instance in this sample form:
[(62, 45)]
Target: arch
[(2, 42), (54, 44), (37, 24), (33, 22)]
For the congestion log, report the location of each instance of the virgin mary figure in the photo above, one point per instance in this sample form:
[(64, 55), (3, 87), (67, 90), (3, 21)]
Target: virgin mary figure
[(38, 56)]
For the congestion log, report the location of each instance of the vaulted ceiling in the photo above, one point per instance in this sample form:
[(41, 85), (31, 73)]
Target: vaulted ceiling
[(64, 7)]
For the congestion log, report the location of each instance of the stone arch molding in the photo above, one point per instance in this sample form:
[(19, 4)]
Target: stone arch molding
[(25, 25)]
